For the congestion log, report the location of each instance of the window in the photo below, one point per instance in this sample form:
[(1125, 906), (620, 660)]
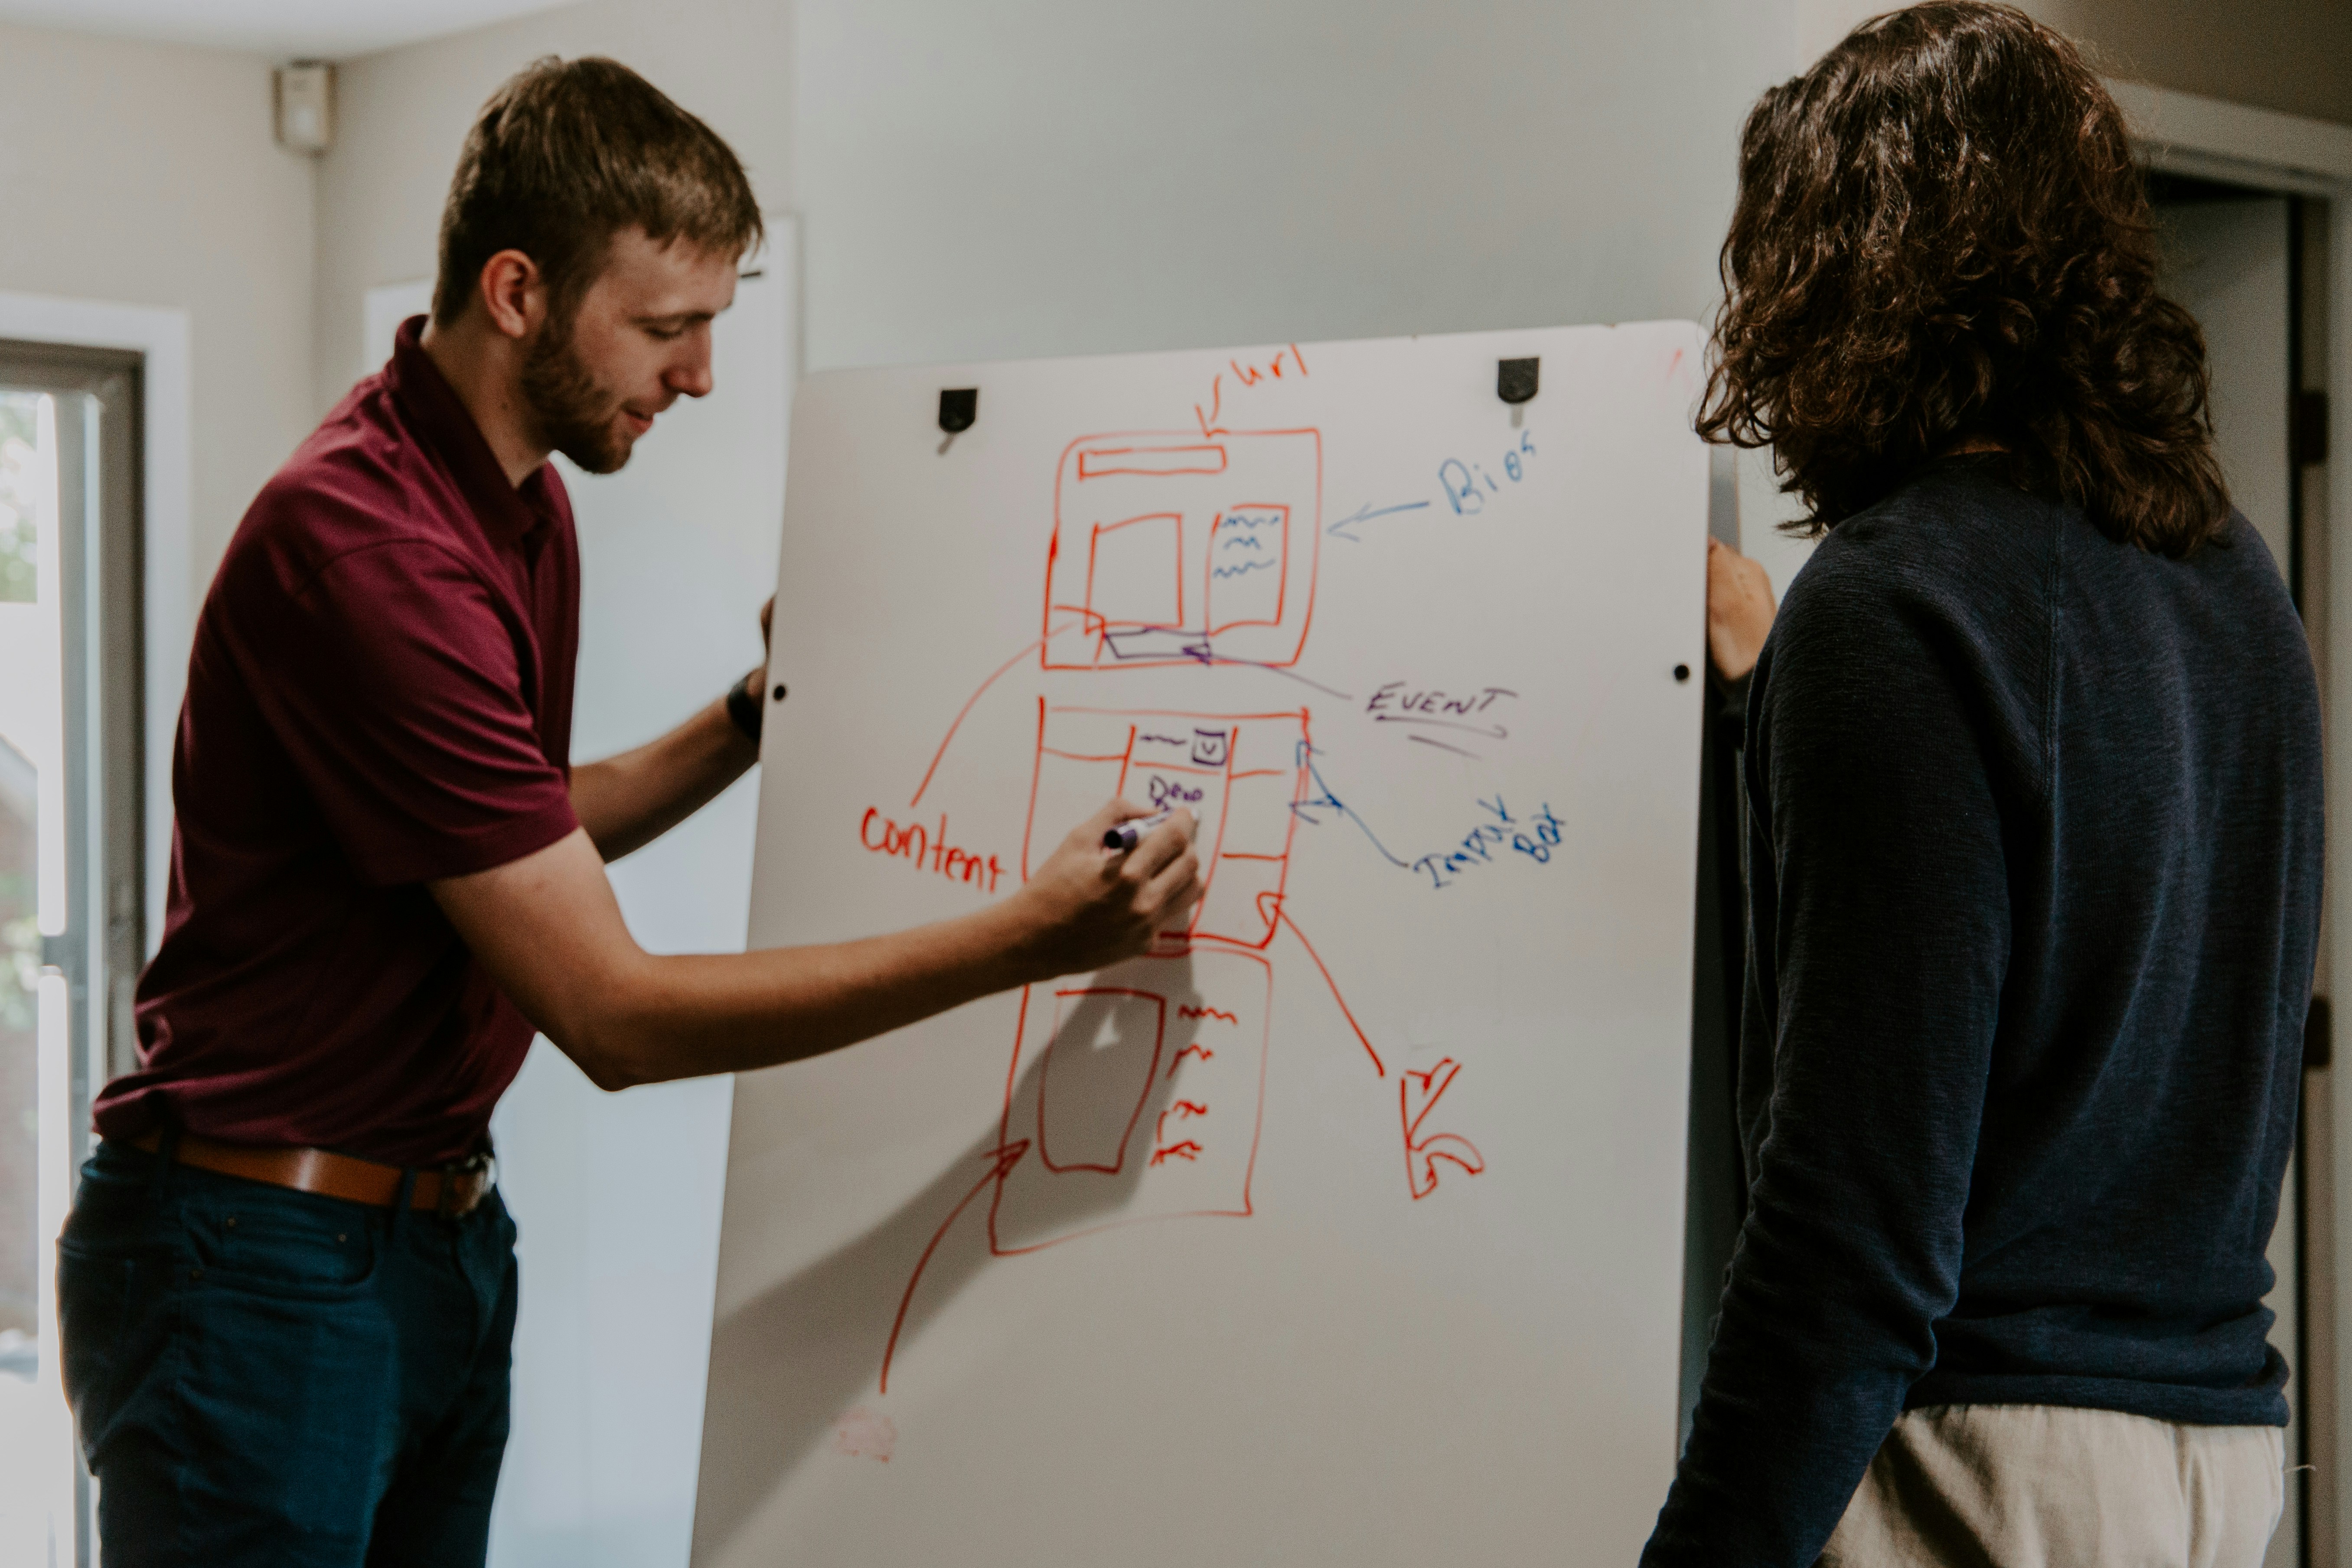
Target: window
[(70, 906)]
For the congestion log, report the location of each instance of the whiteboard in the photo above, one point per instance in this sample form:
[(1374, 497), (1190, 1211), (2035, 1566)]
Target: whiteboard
[(1347, 1224)]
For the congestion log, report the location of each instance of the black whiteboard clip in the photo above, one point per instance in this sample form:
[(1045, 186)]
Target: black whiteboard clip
[(958, 406), (1515, 384)]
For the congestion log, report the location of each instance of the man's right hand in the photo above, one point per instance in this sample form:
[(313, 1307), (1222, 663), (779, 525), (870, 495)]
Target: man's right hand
[(1093, 906)]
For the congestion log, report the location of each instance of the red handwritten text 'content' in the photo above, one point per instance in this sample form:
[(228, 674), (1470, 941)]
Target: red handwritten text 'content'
[(927, 849)]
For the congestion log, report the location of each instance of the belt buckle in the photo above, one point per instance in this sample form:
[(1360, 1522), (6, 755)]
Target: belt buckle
[(475, 1174)]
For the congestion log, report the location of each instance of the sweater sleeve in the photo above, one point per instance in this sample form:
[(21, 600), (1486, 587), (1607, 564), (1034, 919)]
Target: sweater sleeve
[(1880, 892)]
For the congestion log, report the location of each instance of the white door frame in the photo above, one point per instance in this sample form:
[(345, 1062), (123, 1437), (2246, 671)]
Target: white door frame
[(168, 614), (2186, 135), (160, 337)]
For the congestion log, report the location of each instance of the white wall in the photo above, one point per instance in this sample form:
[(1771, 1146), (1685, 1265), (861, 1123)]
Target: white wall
[(975, 181), (146, 174), (1058, 177), (1063, 177)]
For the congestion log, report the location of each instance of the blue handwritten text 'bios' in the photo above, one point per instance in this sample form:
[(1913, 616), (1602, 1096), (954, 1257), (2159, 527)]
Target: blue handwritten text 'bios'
[(1467, 485)]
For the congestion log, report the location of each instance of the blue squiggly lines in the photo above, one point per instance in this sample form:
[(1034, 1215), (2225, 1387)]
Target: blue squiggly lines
[(1245, 566)]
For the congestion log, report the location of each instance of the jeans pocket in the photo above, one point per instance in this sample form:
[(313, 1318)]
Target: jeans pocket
[(249, 1235), (109, 1305)]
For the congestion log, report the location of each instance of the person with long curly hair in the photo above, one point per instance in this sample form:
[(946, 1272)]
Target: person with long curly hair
[(2034, 849)]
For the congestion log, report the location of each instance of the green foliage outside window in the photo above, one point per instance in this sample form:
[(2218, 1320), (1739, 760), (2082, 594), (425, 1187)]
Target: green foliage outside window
[(18, 540), (20, 952)]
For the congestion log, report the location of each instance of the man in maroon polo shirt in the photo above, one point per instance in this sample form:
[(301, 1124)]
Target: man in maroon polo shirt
[(288, 1287)]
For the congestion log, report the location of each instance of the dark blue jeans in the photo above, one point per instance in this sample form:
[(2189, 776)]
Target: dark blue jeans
[(265, 1376)]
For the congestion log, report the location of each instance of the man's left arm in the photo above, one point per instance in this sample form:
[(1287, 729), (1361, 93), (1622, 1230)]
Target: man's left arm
[(628, 801)]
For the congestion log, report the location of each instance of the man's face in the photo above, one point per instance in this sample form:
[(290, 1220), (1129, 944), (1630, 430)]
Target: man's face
[(638, 338)]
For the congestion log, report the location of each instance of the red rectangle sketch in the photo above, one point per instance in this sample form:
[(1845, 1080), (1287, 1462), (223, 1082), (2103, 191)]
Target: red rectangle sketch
[(1249, 568), (1138, 1092), (1240, 773), (1097, 461), (1135, 570), (1102, 1031), (1168, 551)]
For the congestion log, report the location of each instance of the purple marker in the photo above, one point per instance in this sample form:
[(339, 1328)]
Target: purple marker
[(1128, 834)]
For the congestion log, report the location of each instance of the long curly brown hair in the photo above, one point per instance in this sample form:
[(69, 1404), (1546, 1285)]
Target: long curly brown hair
[(1941, 240)]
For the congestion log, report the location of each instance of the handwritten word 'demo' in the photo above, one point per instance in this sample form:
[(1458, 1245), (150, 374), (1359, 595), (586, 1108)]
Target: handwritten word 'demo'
[(928, 850), (1168, 794)]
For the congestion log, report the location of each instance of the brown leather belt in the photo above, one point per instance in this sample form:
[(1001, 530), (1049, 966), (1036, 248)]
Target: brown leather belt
[(453, 1191)]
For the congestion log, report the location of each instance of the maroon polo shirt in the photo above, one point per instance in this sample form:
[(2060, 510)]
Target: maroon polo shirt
[(380, 694)]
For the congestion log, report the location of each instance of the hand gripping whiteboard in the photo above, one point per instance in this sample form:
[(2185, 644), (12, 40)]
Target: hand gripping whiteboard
[(1347, 1226)]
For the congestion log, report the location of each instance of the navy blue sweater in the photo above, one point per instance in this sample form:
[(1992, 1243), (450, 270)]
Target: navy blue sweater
[(2035, 863)]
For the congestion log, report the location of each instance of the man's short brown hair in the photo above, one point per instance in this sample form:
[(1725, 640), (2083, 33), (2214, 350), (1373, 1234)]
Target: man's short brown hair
[(567, 155)]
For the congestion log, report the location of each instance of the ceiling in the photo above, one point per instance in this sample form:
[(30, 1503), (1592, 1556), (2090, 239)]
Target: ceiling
[(285, 29)]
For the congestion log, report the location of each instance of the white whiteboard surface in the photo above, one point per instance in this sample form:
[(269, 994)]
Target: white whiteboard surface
[(1350, 1228)]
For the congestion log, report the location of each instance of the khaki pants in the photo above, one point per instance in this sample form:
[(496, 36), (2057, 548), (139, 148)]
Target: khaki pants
[(2042, 1486)]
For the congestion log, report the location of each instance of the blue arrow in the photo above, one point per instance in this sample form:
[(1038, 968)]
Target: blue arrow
[(1365, 513), (1305, 810)]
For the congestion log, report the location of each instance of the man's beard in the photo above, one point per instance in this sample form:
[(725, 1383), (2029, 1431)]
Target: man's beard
[(573, 412)]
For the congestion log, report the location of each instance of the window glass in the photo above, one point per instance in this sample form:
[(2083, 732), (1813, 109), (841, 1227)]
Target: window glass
[(34, 1505), (19, 457)]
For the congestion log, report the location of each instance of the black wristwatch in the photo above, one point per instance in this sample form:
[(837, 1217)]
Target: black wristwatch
[(744, 707)]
